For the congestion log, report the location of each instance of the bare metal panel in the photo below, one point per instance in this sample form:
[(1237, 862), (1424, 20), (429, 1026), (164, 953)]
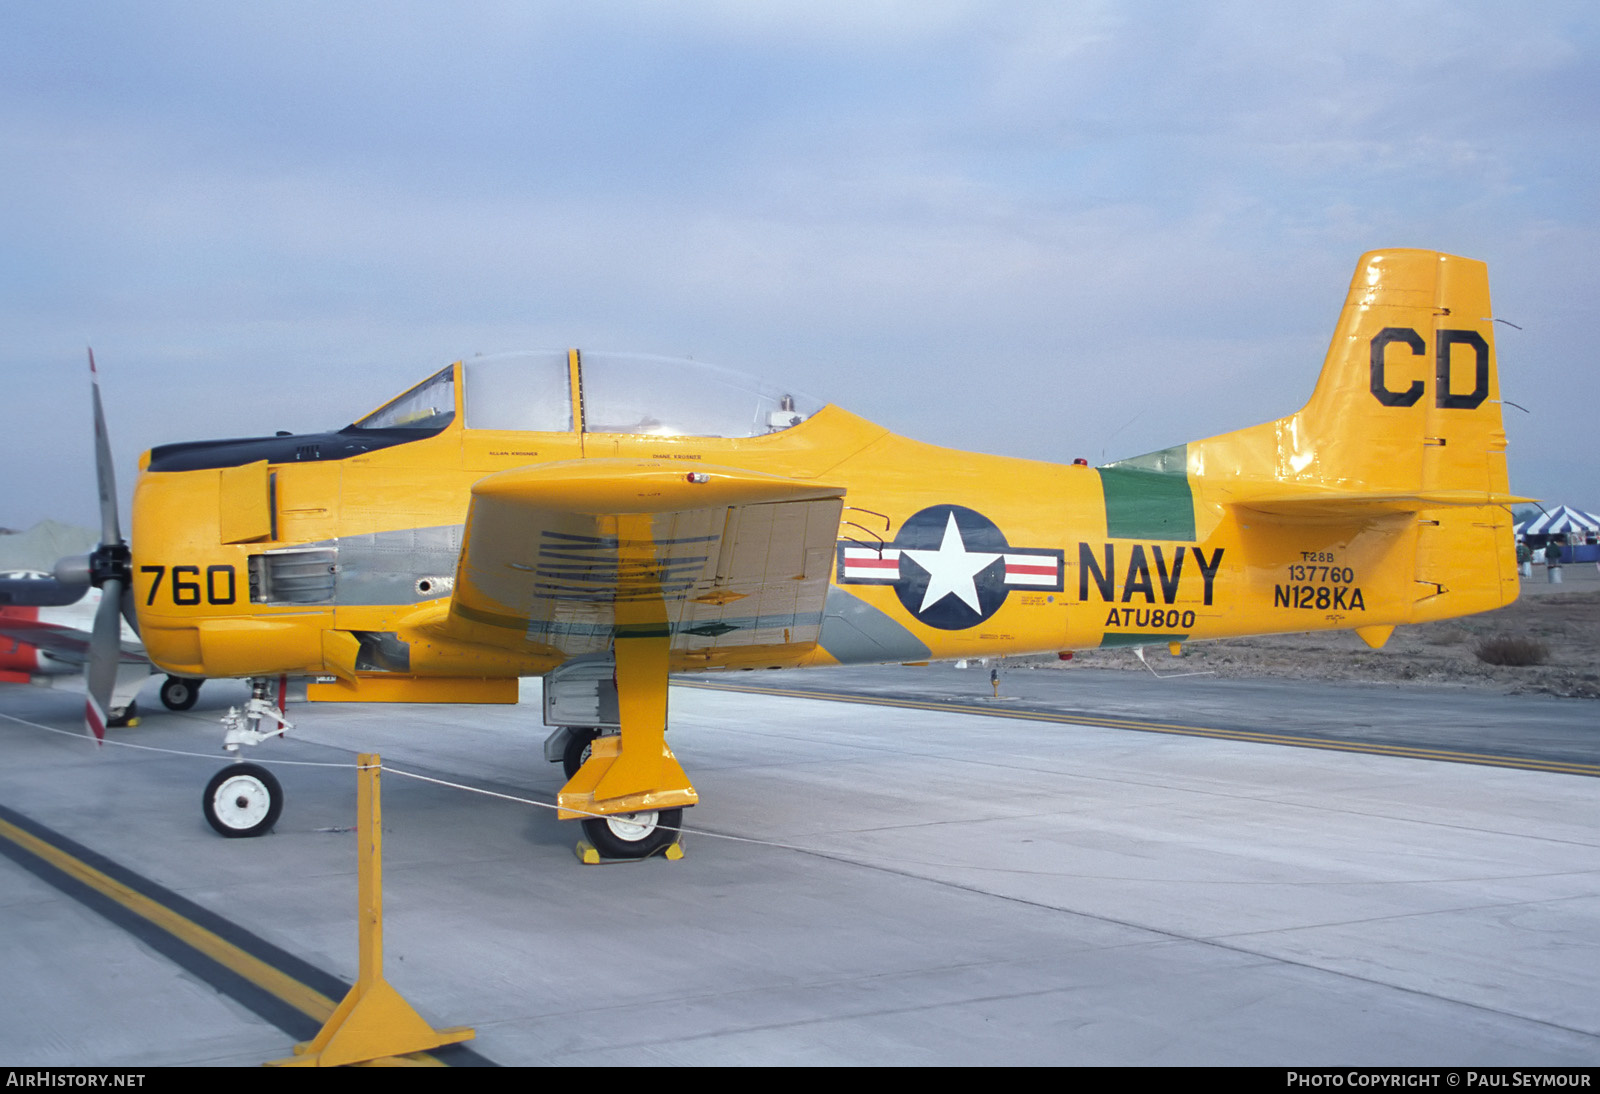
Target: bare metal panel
[(406, 566)]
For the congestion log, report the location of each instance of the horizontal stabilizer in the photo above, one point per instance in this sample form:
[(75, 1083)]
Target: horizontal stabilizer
[(1340, 505)]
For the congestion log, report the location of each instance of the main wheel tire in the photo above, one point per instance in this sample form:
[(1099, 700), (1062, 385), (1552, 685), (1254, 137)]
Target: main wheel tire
[(180, 693), (633, 835), (576, 753), (242, 800)]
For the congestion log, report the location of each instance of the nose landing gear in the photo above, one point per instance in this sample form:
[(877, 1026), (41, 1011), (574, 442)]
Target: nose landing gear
[(244, 800)]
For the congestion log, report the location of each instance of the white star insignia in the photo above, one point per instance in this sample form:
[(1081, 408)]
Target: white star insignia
[(951, 569)]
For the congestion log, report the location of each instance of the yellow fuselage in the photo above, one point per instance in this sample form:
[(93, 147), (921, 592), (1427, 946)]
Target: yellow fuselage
[(1144, 556), (1382, 501)]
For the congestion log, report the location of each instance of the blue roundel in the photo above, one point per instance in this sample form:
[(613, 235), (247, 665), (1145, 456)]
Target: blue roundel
[(952, 567)]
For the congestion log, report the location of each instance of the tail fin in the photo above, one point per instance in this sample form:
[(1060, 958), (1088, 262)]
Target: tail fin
[(1408, 404), (1402, 442)]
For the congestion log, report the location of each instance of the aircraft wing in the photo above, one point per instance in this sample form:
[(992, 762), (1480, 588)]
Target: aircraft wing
[(731, 565), (64, 643)]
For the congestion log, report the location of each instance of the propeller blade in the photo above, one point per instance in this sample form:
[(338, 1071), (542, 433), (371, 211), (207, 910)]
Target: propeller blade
[(110, 527), (130, 611), (110, 565), (105, 650)]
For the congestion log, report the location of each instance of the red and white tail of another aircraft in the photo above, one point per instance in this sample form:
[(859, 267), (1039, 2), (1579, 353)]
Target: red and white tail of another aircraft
[(49, 646)]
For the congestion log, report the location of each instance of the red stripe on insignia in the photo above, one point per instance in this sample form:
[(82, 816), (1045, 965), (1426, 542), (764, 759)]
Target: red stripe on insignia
[(869, 564), (1041, 571)]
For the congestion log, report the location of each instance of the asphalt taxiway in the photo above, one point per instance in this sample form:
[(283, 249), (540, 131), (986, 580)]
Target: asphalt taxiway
[(1097, 868)]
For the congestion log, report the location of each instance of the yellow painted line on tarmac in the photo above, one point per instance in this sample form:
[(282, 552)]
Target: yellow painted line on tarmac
[(306, 1000), (1559, 767), (265, 976)]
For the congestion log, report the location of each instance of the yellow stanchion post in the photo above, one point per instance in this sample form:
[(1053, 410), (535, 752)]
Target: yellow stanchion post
[(374, 1021)]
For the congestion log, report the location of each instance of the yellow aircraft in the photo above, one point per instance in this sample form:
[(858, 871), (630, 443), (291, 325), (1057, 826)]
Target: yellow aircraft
[(604, 521)]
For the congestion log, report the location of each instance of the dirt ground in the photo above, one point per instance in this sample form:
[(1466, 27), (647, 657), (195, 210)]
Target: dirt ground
[(1565, 617)]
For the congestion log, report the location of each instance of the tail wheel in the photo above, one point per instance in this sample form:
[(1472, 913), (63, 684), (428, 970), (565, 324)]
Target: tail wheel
[(242, 800), (633, 835)]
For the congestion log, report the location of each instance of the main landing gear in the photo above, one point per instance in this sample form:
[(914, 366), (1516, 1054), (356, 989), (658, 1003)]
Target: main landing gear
[(625, 786), (633, 835), (179, 693), (620, 835), (244, 800), (580, 742)]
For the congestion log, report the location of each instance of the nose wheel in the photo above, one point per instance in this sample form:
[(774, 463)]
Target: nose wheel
[(242, 800)]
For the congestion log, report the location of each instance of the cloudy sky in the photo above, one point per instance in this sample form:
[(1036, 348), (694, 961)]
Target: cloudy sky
[(1046, 230)]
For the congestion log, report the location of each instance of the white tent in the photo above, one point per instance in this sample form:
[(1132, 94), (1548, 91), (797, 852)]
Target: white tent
[(1560, 521)]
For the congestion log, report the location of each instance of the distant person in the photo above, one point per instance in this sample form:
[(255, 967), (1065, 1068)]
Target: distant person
[(1552, 553)]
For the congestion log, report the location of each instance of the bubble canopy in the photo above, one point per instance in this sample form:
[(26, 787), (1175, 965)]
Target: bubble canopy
[(624, 393)]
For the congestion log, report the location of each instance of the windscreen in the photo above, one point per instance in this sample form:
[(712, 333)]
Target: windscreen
[(430, 405)]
